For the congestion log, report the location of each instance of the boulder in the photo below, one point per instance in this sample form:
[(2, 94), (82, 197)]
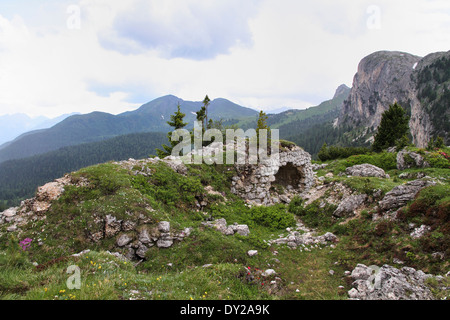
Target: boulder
[(123, 240), (112, 226), (366, 170), (164, 226), (252, 253), (242, 229), (408, 159), (164, 243), (389, 283), (348, 205), (144, 236), (420, 232), (11, 212), (268, 273), (401, 195)]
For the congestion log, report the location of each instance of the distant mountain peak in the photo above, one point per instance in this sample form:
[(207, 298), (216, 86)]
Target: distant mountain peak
[(341, 90)]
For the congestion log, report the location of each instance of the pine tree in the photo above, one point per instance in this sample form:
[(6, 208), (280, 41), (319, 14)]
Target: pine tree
[(393, 127), (202, 114), (176, 121), (262, 123), (206, 102)]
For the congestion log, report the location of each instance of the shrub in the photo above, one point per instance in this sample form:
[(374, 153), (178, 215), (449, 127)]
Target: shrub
[(169, 187), (315, 214), (275, 217), (333, 152), (438, 160), (384, 160)]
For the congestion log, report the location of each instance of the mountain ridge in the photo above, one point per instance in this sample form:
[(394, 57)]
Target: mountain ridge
[(97, 126)]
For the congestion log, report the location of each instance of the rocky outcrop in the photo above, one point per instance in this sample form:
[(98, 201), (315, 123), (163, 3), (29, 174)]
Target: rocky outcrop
[(389, 283), (35, 209), (292, 174), (349, 205), (228, 230), (134, 233), (303, 237), (408, 159), (401, 195), (383, 78), (366, 170)]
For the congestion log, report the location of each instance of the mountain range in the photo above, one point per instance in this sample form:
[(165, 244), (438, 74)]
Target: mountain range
[(97, 126), (13, 125)]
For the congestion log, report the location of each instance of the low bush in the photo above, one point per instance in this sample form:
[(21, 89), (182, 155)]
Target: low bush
[(334, 152), (316, 214), (384, 160), (274, 217)]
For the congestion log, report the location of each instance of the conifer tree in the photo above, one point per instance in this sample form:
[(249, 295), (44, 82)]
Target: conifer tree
[(176, 121), (262, 122), (394, 126)]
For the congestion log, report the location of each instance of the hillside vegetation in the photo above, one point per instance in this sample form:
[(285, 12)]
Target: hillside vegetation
[(20, 178), (207, 264)]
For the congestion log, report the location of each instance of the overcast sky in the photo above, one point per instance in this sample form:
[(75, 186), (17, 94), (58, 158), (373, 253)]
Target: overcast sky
[(59, 56)]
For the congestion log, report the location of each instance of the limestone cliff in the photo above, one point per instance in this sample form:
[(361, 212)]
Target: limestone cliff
[(386, 77)]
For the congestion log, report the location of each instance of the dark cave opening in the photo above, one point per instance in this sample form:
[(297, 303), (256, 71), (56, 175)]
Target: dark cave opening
[(289, 175)]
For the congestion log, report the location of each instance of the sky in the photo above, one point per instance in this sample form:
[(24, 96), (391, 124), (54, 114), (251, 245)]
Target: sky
[(59, 56)]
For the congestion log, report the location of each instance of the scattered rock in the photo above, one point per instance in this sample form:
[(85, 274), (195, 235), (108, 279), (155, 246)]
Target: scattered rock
[(123, 240), (164, 226), (401, 195), (221, 225), (349, 205), (11, 212), (164, 243), (317, 167), (252, 253), (408, 159), (389, 283), (268, 273), (366, 170), (420, 232), (112, 226), (12, 228)]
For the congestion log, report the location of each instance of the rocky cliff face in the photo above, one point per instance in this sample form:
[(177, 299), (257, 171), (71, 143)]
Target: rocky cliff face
[(386, 77)]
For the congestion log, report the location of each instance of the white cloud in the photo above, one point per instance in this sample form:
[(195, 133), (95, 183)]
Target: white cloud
[(265, 55)]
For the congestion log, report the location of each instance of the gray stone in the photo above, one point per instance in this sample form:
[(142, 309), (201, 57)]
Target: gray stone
[(366, 170), (164, 243), (389, 283), (413, 160), (164, 226), (420, 232), (141, 251), (12, 228), (144, 236), (330, 237), (268, 273), (401, 195), (349, 205), (11, 212), (243, 230), (252, 253), (123, 240), (112, 226)]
